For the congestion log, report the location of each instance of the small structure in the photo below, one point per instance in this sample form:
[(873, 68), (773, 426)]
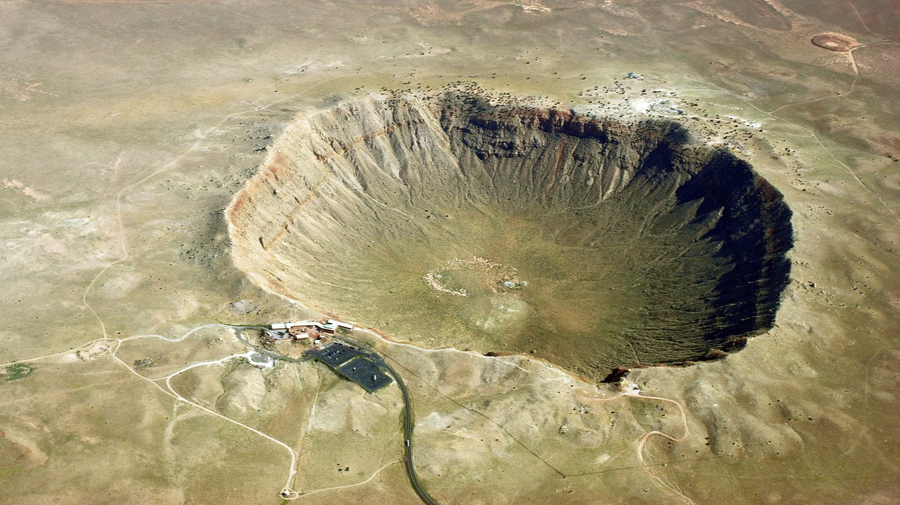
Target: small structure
[(341, 325), (331, 326), (311, 328), (287, 326)]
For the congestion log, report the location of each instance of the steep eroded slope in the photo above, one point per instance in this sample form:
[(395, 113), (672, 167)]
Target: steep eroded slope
[(450, 221)]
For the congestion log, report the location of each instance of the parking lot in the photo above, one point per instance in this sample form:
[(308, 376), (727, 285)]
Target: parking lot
[(353, 364)]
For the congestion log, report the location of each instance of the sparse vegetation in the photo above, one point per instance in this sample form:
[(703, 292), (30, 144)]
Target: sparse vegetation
[(265, 340), (120, 156), (18, 371), (534, 262), (145, 362)]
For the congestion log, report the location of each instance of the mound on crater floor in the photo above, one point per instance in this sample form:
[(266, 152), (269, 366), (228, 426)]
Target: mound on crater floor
[(454, 221)]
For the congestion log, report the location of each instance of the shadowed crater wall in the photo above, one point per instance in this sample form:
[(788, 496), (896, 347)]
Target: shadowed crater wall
[(450, 221)]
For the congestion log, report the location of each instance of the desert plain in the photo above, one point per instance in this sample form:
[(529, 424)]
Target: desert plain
[(129, 127)]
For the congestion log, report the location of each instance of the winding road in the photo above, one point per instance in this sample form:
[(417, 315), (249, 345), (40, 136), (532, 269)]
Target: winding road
[(407, 431), (407, 418), (407, 401)]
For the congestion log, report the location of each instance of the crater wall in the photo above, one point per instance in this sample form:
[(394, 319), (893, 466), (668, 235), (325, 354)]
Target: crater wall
[(449, 220)]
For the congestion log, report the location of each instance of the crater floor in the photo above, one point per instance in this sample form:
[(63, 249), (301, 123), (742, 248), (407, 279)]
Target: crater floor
[(454, 220)]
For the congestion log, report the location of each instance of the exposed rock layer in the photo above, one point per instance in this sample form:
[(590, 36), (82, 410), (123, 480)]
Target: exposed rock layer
[(450, 221)]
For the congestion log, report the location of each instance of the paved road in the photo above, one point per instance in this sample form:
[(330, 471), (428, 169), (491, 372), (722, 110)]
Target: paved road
[(408, 432), (407, 401), (407, 419)]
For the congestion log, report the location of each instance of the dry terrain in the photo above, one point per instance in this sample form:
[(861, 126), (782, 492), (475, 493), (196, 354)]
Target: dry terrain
[(129, 126)]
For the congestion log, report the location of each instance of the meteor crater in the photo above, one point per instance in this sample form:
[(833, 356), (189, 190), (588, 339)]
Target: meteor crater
[(453, 220)]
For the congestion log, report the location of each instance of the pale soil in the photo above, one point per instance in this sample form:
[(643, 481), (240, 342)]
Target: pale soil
[(122, 130)]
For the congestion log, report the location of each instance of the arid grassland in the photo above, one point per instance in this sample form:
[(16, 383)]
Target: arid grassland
[(460, 229)]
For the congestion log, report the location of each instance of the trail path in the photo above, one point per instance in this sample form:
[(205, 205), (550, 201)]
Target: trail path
[(837, 94), (164, 384), (286, 492), (119, 221), (370, 479), (631, 392)]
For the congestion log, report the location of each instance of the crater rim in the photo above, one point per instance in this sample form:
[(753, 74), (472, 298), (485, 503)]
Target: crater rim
[(480, 108)]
